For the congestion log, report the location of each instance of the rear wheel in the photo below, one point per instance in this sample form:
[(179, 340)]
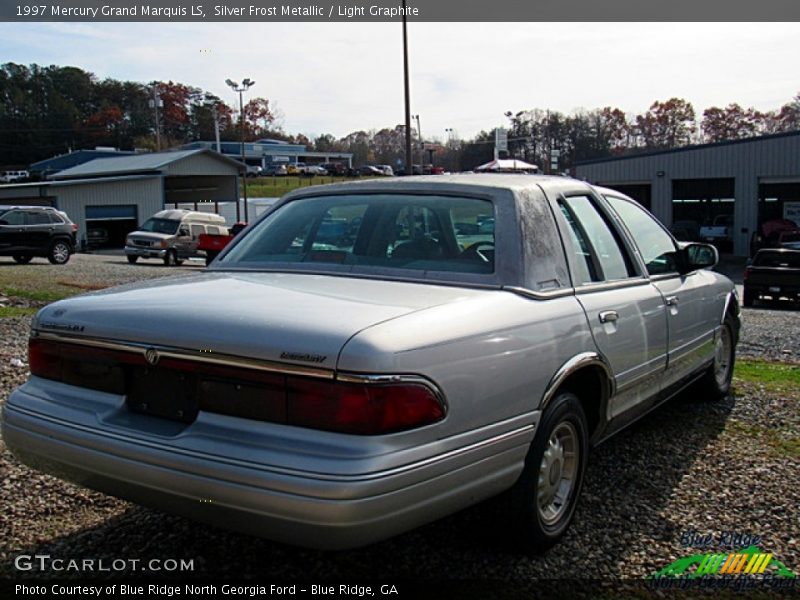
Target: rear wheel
[(543, 500), (716, 383), (210, 256), (23, 260), (59, 253), (132, 259)]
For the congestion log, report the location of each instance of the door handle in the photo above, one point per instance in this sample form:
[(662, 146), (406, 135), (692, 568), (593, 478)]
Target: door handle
[(672, 300), (608, 316)]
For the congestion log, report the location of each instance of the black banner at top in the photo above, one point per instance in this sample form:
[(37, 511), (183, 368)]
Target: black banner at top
[(392, 10)]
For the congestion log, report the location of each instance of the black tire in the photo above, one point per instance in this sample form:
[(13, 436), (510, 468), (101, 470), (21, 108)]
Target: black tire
[(747, 298), (210, 256), (132, 259), (23, 260), (537, 528), (171, 258), (59, 253), (716, 382)]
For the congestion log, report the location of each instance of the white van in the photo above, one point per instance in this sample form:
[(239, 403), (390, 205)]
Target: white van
[(172, 235)]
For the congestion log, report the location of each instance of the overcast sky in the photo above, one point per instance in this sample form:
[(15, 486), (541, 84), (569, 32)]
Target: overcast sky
[(341, 77)]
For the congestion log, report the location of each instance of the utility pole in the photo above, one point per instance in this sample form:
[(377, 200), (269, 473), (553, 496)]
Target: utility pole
[(409, 159), (421, 145), (216, 127), (155, 103), (246, 84)]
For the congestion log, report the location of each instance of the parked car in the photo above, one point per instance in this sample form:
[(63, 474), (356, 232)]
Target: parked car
[(254, 170), (768, 234), (719, 232), (789, 239), (333, 385), (370, 171), (774, 273), (276, 169), (12, 176), (386, 170), (211, 244), (172, 235), (30, 231), (315, 170), (96, 237), (335, 169)]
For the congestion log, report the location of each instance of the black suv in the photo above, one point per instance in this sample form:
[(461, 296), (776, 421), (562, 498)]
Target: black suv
[(28, 231)]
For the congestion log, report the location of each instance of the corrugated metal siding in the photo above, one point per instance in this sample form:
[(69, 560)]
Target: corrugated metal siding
[(144, 193), (200, 164), (747, 162)]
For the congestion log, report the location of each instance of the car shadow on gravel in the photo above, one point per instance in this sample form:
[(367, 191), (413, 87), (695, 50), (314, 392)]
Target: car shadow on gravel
[(631, 480)]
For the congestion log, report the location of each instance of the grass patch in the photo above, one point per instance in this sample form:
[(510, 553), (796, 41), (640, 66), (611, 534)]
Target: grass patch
[(16, 311), (785, 447), (274, 187), (773, 376), (82, 286), (38, 295)]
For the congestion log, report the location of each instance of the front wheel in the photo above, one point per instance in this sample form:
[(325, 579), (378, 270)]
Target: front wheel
[(59, 253), (132, 259), (543, 500), (171, 258), (716, 383)]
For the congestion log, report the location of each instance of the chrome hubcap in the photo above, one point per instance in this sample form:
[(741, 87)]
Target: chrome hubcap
[(722, 357), (557, 473)]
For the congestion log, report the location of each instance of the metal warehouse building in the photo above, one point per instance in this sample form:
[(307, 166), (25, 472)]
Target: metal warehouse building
[(753, 180), (117, 194)]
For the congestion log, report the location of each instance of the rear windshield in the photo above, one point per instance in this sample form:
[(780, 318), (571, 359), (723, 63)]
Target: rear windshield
[(415, 232), (168, 226), (778, 259)]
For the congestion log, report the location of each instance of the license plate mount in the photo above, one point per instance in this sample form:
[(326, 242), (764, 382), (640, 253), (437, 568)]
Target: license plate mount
[(162, 393)]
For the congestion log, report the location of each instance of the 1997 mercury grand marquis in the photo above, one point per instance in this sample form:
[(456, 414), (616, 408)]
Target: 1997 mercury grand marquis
[(372, 356)]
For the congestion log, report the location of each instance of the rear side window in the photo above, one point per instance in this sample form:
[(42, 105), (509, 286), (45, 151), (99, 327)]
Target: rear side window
[(55, 218), (600, 254), (37, 218), (784, 260), (196, 230)]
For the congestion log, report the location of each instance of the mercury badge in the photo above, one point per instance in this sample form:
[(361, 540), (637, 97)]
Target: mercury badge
[(151, 356)]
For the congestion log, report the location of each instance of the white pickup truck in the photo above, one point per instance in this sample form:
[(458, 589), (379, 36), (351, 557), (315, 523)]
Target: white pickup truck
[(721, 230)]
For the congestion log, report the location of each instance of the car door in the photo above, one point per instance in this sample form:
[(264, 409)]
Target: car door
[(39, 231), (625, 312), (691, 310), (12, 230)]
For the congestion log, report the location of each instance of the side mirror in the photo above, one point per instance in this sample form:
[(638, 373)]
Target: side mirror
[(184, 232), (700, 256)]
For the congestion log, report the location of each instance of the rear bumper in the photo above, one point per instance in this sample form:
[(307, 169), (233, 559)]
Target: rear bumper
[(179, 474)]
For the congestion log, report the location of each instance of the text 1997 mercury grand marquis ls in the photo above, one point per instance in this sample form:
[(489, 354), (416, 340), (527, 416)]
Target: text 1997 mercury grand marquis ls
[(372, 356)]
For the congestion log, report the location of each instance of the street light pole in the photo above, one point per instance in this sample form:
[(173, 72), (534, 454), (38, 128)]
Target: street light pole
[(245, 85), (155, 104), (409, 160)]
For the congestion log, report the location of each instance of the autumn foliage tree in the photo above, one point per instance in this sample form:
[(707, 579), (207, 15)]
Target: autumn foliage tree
[(667, 124)]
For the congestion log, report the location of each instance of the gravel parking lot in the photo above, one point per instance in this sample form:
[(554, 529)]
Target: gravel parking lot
[(692, 465)]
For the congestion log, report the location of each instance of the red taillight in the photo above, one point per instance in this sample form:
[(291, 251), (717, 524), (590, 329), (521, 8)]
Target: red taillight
[(361, 409), (746, 274), (44, 359), (74, 228)]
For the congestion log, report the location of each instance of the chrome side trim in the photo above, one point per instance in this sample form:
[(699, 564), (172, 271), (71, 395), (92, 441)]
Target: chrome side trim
[(579, 361), (379, 379), (611, 285), (127, 439), (549, 295), (213, 358)]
